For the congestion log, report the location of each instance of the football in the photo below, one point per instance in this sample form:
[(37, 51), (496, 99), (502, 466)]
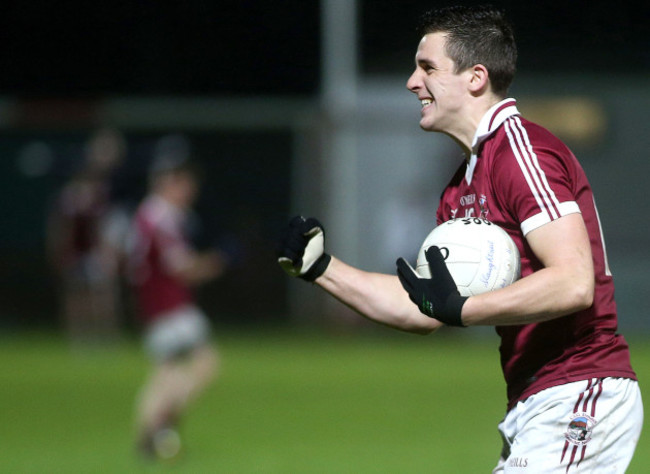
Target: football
[(480, 255)]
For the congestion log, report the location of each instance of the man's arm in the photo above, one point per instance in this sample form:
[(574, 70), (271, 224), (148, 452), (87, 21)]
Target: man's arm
[(565, 284), (199, 267), (376, 296), (190, 266)]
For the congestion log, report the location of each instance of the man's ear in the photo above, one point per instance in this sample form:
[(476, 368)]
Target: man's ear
[(479, 78)]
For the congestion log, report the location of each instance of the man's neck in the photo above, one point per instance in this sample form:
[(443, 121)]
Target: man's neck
[(475, 111)]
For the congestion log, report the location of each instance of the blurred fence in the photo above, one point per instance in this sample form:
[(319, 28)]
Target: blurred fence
[(263, 159), (244, 150)]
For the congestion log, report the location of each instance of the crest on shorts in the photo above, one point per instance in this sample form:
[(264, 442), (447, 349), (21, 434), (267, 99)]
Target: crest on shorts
[(580, 428)]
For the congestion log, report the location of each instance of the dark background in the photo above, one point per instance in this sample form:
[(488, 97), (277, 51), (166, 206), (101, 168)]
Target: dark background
[(252, 48), (90, 51)]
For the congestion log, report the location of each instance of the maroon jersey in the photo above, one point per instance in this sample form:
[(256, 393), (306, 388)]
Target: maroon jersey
[(159, 245), (82, 205), (521, 177)]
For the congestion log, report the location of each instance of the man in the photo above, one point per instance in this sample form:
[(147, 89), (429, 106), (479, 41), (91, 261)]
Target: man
[(84, 242), (573, 399), (163, 267)]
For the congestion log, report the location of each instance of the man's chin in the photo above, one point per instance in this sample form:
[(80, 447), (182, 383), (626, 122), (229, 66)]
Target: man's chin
[(427, 126)]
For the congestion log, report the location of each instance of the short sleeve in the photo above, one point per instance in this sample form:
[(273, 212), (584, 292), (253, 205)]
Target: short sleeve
[(533, 176)]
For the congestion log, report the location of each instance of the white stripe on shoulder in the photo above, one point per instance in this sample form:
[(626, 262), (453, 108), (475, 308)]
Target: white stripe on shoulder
[(538, 220), (542, 175), (524, 169), (529, 165)]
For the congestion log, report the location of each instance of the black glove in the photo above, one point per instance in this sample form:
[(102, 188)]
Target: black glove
[(301, 250), (437, 297)]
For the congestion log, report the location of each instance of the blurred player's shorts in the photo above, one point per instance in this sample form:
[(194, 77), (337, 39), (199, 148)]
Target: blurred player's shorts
[(176, 332)]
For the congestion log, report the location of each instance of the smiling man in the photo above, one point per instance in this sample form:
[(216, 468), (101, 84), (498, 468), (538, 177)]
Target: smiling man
[(567, 370)]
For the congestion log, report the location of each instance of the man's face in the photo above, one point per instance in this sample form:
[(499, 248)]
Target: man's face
[(185, 187), (442, 93)]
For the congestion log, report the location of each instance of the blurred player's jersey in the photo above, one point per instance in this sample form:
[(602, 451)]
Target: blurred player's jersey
[(80, 210), (158, 246), (521, 177)]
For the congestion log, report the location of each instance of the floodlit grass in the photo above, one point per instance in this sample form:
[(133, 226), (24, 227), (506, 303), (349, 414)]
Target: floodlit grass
[(286, 402)]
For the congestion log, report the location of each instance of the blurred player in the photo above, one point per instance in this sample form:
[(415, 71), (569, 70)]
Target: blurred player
[(85, 242), (573, 401), (164, 267)]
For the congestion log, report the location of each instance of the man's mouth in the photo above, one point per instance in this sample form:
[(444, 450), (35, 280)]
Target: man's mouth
[(426, 102)]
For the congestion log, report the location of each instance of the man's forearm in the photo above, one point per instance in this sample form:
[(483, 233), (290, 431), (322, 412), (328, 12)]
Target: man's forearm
[(376, 296)]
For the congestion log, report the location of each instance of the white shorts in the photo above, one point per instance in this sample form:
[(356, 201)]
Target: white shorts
[(591, 426), (176, 332)]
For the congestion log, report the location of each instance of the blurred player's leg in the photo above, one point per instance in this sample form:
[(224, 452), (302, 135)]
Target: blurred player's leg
[(165, 397)]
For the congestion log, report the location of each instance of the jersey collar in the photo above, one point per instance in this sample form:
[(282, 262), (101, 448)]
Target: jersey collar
[(492, 120)]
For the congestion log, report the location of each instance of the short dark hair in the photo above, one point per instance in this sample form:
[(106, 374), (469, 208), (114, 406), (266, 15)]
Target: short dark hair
[(476, 35)]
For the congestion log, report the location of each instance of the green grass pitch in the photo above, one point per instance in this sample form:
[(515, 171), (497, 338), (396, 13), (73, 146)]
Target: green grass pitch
[(286, 402)]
